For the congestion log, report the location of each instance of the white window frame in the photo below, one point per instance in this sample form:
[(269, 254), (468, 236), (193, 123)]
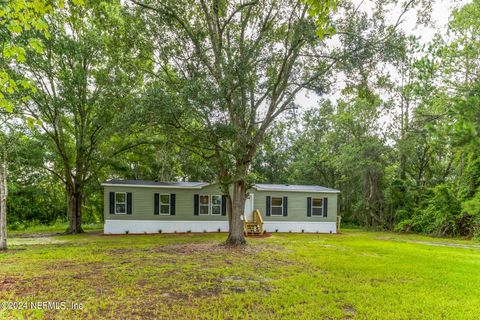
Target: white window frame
[(216, 205), (160, 204), (210, 205), (271, 207), (124, 203), (200, 205), (316, 207)]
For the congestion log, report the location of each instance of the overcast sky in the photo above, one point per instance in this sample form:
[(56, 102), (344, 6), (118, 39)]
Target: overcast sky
[(440, 16)]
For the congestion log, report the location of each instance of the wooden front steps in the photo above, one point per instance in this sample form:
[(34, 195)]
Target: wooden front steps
[(254, 227)]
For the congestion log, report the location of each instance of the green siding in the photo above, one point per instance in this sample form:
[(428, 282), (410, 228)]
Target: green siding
[(297, 205), (143, 205)]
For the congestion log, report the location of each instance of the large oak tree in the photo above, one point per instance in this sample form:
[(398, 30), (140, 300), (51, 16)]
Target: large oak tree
[(225, 71)]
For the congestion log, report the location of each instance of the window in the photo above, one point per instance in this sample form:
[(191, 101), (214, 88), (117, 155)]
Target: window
[(204, 205), (317, 207), (210, 204), (165, 204), (277, 206), (120, 202), (216, 205)]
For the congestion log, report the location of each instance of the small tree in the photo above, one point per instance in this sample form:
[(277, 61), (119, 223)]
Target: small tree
[(86, 82), (17, 18), (3, 191)]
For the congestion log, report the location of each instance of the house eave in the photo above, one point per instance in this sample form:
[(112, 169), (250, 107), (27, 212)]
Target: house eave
[(151, 186), (296, 190)]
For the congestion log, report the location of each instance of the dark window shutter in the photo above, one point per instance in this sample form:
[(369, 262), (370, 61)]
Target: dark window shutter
[(156, 203), (195, 204), (268, 206), (325, 207), (172, 204), (224, 205), (285, 206), (129, 203), (309, 206), (112, 202)]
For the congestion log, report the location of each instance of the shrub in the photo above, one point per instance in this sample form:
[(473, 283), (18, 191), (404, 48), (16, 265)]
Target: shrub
[(440, 212)]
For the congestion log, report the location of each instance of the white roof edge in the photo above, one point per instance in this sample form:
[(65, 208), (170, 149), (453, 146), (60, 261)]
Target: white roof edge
[(297, 190), (152, 186)]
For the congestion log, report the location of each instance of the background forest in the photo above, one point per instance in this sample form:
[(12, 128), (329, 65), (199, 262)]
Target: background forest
[(396, 127)]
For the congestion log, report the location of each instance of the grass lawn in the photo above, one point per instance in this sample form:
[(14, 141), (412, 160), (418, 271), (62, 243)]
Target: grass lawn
[(58, 227), (354, 275)]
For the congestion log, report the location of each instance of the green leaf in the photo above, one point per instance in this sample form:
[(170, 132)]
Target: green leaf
[(36, 45)]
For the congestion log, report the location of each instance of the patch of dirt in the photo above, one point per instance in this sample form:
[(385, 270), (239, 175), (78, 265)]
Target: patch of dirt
[(38, 241), (11, 250), (143, 283), (432, 243), (8, 283), (279, 262), (259, 236), (334, 291), (447, 244), (350, 311), (24, 287), (192, 248), (81, 267), (120, 251), (186, 249), (174, 297), (36, 235), (232, 278), (236, 283), (237, 289), (49, 234), (237, 279)]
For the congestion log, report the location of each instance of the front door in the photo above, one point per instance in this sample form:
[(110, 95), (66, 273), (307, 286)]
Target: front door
[(248, 212)]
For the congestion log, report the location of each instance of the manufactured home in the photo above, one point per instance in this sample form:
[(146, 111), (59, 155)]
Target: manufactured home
[(139, 206)]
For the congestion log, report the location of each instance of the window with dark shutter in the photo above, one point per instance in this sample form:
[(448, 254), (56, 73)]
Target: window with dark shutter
[(172, 204), (224, 205), (129, 203), (309, 206), (120, 203), (165, 204), (277, 206), (285, 206), (317, 207), (195, 204), (112, 202), (268, 204), (156, 204), (325, 207), (204, 205), (216, 205)]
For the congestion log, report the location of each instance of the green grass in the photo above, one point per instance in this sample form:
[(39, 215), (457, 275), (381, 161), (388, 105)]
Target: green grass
[(57, 227), (354, 275)]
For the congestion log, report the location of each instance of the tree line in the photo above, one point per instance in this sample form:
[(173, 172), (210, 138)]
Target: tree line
[(205, 90)]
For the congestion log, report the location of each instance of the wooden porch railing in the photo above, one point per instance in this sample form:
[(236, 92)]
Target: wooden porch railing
[(255, 226)]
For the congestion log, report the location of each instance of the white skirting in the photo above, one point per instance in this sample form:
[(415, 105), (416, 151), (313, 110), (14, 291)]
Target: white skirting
[(300, 226), (157, 226)]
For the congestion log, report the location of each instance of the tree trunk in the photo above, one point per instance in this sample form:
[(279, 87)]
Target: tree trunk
[(235, 234), (74, 208), (3, 204)]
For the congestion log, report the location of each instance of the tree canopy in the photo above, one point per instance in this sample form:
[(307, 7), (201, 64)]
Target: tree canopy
[(209, 90)]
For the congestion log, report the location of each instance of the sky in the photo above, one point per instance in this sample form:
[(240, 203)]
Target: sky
[(441, 10)]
